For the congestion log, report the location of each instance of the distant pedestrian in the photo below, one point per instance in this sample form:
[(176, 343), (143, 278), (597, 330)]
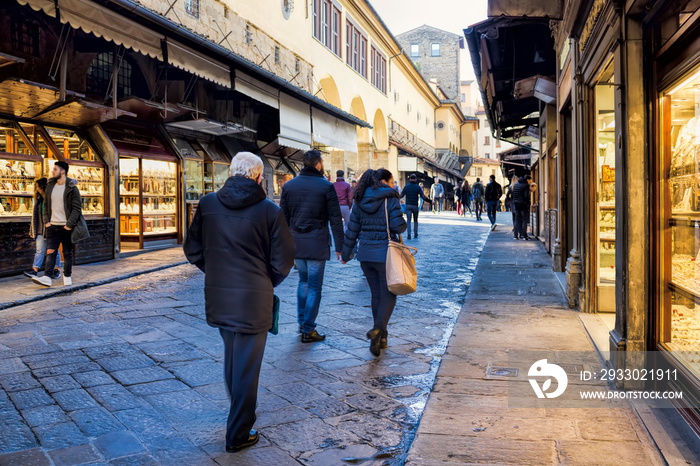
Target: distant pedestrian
[(420, 200), (521, 207), (437, 194), (377, 209), (344, 192), (37, 230), (465, 197), (414, 196), (492, 196), (397, 188), (478, 191), (63, 212), (242, 243), (310, 203)]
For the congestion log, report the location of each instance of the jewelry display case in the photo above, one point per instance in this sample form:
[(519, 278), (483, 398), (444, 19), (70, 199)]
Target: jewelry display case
[(680, 216)]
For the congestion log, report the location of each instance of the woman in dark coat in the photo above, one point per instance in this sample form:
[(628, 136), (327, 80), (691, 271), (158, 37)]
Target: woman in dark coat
[(374, 201), (465, 195)]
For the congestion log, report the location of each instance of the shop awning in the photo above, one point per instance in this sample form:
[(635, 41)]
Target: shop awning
[(211, 127), (295, 123), (198, 64), (26, 99), (6, 59), (102, 22), (257, 90), (551, 9), (332, 132)]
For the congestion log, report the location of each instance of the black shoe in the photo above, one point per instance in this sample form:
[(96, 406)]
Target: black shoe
[(56, 274), (253, 438), (312, 337), (527, 238), (375, 343), (409, 236), (31, 273), (415, 236)]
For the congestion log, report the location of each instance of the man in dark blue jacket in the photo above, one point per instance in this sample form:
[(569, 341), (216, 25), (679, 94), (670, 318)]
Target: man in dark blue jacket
[(521, 206), (310, 203), (242, 243), (412, 192)]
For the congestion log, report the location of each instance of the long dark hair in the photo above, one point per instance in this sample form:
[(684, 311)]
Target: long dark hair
[(371, 179), (40, 183)]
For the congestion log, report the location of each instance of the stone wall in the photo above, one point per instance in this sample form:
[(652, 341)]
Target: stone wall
[(445, 68)]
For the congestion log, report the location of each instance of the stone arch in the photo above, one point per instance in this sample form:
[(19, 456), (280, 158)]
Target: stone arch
[(380, 136), (329, 91)]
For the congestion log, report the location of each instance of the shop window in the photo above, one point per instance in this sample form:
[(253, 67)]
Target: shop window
[(71, 145), (415, 50), (192, 7), (25, 37), (356, 48), (11, 140), (604, 162), (378, 70), (326, 14), (435, 49), (281, 173), (680, 218)]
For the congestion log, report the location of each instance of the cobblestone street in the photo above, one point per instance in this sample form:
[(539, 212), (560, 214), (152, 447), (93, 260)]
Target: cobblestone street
[(130, 373)]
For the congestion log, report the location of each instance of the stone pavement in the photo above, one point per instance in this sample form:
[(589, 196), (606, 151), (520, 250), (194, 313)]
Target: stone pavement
[(129, 372), (513, 305), (21, 290)]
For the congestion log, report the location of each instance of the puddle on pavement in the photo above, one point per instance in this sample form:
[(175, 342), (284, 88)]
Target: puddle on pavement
[(378, 456)]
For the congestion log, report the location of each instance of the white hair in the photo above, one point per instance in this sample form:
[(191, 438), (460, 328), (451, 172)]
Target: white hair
[(246, 164)]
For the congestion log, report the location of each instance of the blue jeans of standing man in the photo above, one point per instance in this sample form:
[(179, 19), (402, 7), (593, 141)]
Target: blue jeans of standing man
[(309, 292), (412, 213), (491, 209)]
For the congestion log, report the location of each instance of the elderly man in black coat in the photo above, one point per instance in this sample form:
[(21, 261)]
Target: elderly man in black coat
[(310, 203), (242, 243)]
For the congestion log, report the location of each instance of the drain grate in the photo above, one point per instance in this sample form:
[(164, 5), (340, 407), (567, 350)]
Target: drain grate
[(497, 371)]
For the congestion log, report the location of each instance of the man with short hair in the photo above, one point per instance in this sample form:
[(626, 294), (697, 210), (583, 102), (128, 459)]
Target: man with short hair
[(63, 210), (413, 194), (478, 195), (521, 207), (344, 192), (437, 194), (492, 196), (310, 203), (242, 243)]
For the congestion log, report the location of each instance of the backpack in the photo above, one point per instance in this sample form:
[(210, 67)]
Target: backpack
[(478, 191)]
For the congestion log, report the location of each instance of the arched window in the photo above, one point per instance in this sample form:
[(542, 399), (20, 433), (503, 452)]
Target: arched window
[(99, 76)]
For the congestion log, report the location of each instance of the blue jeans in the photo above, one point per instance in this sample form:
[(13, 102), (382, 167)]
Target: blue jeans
[(491, 209), (309, 292), (40, 253)]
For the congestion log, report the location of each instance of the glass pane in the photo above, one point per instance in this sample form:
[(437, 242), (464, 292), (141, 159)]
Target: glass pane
[(220, 175), (605, 179), (159, 198), (10, 139), (129, 194), (194, 180), (91, 185), (17, 187), (681, 203), (71, 145)]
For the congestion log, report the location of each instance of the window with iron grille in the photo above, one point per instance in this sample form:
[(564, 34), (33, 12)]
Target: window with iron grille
[(378, 70), (192, 7), (25, 37), (326, 15), (99, 76)]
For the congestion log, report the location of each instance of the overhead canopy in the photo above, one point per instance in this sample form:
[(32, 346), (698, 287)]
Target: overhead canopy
[(6, 59), (207, 126), (332, 132), (257, 90), (295, 123), (198, 64), (504, 51), (26, 99), (551, 9), (102, 22)]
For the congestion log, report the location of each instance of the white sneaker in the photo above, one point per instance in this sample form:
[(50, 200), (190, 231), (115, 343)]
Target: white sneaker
[(45, 281), (67, 281)]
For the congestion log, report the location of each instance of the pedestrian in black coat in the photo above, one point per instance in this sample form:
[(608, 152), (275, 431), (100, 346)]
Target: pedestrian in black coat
[(242, 243), (376, 209), (310, 204), (520, 195)]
